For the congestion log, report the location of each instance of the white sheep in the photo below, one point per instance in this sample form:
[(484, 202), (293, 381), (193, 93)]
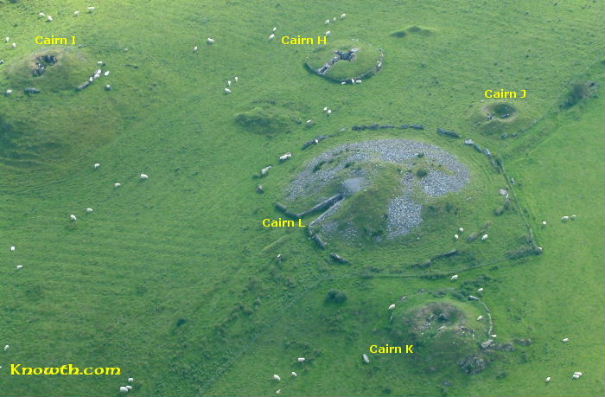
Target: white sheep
[(96, 165), (49, 18), (210, 40), (117, 185), (480, 289), (484, 237), (329, 111), (13, 248), (274, 28), (573, 217), (130, 380), (89, 210), (564, 218), (543, 223), (276, 377), (454, 277), (456, 237), (91, 9), (358, 81), (236, 79), (195, 48), (41, 14), (8, 92), (576, 375), (293, 373), (123, 389), (547, 379), (73, 218), (265, 170), (327, 21), (285, 156), (76, 13), (229, 83), (391, 306), (278, 391), (227, 91), (129, 387), (343, 15), (565, 340), (6, 347), (106, 73), (479, 318), (328, 32), (7, 39), (271, 36), (14, 45), (301, 359), (461, 229), (494, 336), (143, 177), (365, 358), (19, 267)]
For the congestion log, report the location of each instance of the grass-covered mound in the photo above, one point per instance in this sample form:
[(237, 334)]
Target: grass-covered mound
[(444, 333), (501, 118), (269, 118), (345, 60), (52, 69), (418, 30)]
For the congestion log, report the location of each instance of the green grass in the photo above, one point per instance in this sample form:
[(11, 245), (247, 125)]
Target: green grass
[(188, 243)]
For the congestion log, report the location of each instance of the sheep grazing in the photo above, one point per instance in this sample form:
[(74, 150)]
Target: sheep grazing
[(285, 156), (13, 248), (343, 15), (14, 45), (49, 19), (274, 28), (276, 377), (484, 237), (329, 112), (327, 21), (265, 171), (73, 218), (461, 229), (278, 391), (107, 87), (106, 73), (301, 359), (130, 380), (227, 91), (365, 358), (565, 340), (333, 19), (91, 9), (89, 210), (494, 335), (19, 267), (480, 290), (271, 36), (328, 32), (143, 177), (260, 189), (456, 237), (229, 83), (195, 49), (564, 218), (6, 347), (576, 375), (123, 389), (117, 184), (543, 223), (236, 79), (454, 277), (96, 165), (76, 13), (547, 379), (293, 373), (480, 318), (41, 15), (391, 306), (210, 40), (8, 92), (573, 217)]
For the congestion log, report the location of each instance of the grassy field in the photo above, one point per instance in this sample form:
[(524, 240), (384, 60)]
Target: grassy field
[(175, 280)]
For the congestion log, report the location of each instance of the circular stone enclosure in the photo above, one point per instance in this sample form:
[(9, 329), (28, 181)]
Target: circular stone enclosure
[(345, 61)]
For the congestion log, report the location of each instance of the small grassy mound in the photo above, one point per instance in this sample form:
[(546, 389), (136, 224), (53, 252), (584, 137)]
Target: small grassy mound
[(500, 118), (52, 69), (442, 335), (417, 30), (343, 60), (268, 118), (578, 92)]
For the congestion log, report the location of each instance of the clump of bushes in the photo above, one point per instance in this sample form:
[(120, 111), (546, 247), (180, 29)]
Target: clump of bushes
[(268, 119), (336, 296)]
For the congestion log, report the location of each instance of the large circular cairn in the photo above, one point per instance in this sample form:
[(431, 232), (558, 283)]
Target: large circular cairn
[(374, 190), (345, 61)]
